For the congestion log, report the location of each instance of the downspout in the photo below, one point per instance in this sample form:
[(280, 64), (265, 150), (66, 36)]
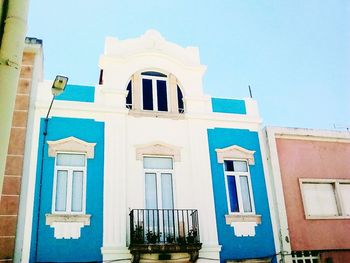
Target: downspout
[(13, 30)]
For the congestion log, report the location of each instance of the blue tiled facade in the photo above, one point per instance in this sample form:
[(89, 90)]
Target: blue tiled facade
[(236, 248), (44, 246)]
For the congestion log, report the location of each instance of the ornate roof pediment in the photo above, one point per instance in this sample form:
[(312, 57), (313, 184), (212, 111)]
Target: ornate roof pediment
[(235, 152)]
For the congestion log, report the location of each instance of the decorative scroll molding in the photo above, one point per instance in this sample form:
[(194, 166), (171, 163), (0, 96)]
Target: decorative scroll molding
[(71, 144), (158, 148), (235, 152), (243, 225), (67, 226)]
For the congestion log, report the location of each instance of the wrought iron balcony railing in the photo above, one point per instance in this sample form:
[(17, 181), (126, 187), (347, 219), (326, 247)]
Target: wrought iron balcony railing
[(164, 226)]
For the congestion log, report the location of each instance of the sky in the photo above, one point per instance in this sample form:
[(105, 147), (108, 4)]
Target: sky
[(295, 54)]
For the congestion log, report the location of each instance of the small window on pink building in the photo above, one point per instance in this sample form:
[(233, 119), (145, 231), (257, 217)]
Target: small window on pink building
[(325, 198)]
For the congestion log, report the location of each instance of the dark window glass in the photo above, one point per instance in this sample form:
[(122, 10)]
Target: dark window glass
[(147, 94), (162, 95), (101, 77), (180, 100), (229, 166), (153, 73), (129, 97), (232, 193)]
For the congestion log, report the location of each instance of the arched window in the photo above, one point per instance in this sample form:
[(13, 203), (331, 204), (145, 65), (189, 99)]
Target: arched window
[(152, 91)]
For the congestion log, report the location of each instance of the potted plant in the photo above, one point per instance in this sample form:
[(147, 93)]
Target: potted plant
[(137, 235), (170, 238), (152, 237), (192, 236)]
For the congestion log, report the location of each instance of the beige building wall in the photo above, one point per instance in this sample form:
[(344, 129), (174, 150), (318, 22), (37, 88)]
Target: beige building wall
[(31, 71)]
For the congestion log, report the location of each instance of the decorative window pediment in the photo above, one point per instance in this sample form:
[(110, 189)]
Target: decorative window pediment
[(71, 144), (235, 152), (158, 148)]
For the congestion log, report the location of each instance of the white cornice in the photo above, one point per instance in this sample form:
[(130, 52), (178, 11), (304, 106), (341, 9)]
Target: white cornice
[(235, 152), (71, 144), (158, 148), (309, 134)]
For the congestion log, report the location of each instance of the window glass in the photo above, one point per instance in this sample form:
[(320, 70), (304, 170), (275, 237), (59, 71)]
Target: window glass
[(129, 96), (77, 191), (240, 166), (180, 101), (229, 166), (147, 94), (157, 163), (320, 199), (345, 197), (162, 95), (167, 191), (151, 191), (61, 190), (231, 182), (247, 206), (65, 159)]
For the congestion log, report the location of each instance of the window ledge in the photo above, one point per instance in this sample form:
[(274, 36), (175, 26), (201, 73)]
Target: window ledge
[(327, 217), (243, 218), (67, 226), (156, 114), (243, 225)]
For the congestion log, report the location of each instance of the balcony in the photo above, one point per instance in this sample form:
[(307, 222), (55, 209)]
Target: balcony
[(163, 232)]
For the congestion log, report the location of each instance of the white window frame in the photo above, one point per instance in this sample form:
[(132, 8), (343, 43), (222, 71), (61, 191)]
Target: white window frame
[(154, 92), (70, 170), (338, 198), (158, 173), (238, 188)]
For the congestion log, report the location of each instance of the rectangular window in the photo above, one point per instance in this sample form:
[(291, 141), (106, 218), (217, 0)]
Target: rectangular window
[(69, 180), (158, 182), (147, 94), (325, 198), (239, 194), (154, 93), (162, 95)]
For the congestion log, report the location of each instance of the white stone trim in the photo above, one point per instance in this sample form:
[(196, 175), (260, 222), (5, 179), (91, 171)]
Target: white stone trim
[(158, 148), (278, 196), (71, 144), (67, 226), (310, 134), (244, 229), (235, 152)]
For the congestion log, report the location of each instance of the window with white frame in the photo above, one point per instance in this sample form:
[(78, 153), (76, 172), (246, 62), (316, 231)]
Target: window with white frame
[(238, 187), (158, 182), (154, 91), (325, 198), (69, 183)]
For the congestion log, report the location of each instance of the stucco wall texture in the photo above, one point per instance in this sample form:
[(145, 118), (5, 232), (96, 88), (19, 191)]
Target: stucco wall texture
[(313, 159)]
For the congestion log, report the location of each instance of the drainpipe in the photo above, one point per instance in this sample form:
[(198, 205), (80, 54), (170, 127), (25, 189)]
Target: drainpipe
[(13, 27)]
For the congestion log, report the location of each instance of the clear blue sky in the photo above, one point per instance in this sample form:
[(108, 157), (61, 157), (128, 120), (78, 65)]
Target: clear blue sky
[(295, 54)]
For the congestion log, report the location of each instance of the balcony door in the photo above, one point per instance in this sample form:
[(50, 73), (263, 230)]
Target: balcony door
[(159, 201), (158, 182)]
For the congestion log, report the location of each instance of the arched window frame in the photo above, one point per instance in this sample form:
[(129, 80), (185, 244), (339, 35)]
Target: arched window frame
[(134, 98)]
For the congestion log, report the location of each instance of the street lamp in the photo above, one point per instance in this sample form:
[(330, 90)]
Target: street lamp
[(58, 87)]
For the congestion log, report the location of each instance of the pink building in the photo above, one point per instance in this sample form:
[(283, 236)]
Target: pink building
[(310, 175)]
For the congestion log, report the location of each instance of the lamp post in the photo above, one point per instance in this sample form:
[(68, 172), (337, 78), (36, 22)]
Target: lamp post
[(57, 88)]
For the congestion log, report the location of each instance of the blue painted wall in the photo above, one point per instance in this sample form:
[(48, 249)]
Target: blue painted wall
[(228, 106), (78, 93), (262, 244), (87, 247)]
